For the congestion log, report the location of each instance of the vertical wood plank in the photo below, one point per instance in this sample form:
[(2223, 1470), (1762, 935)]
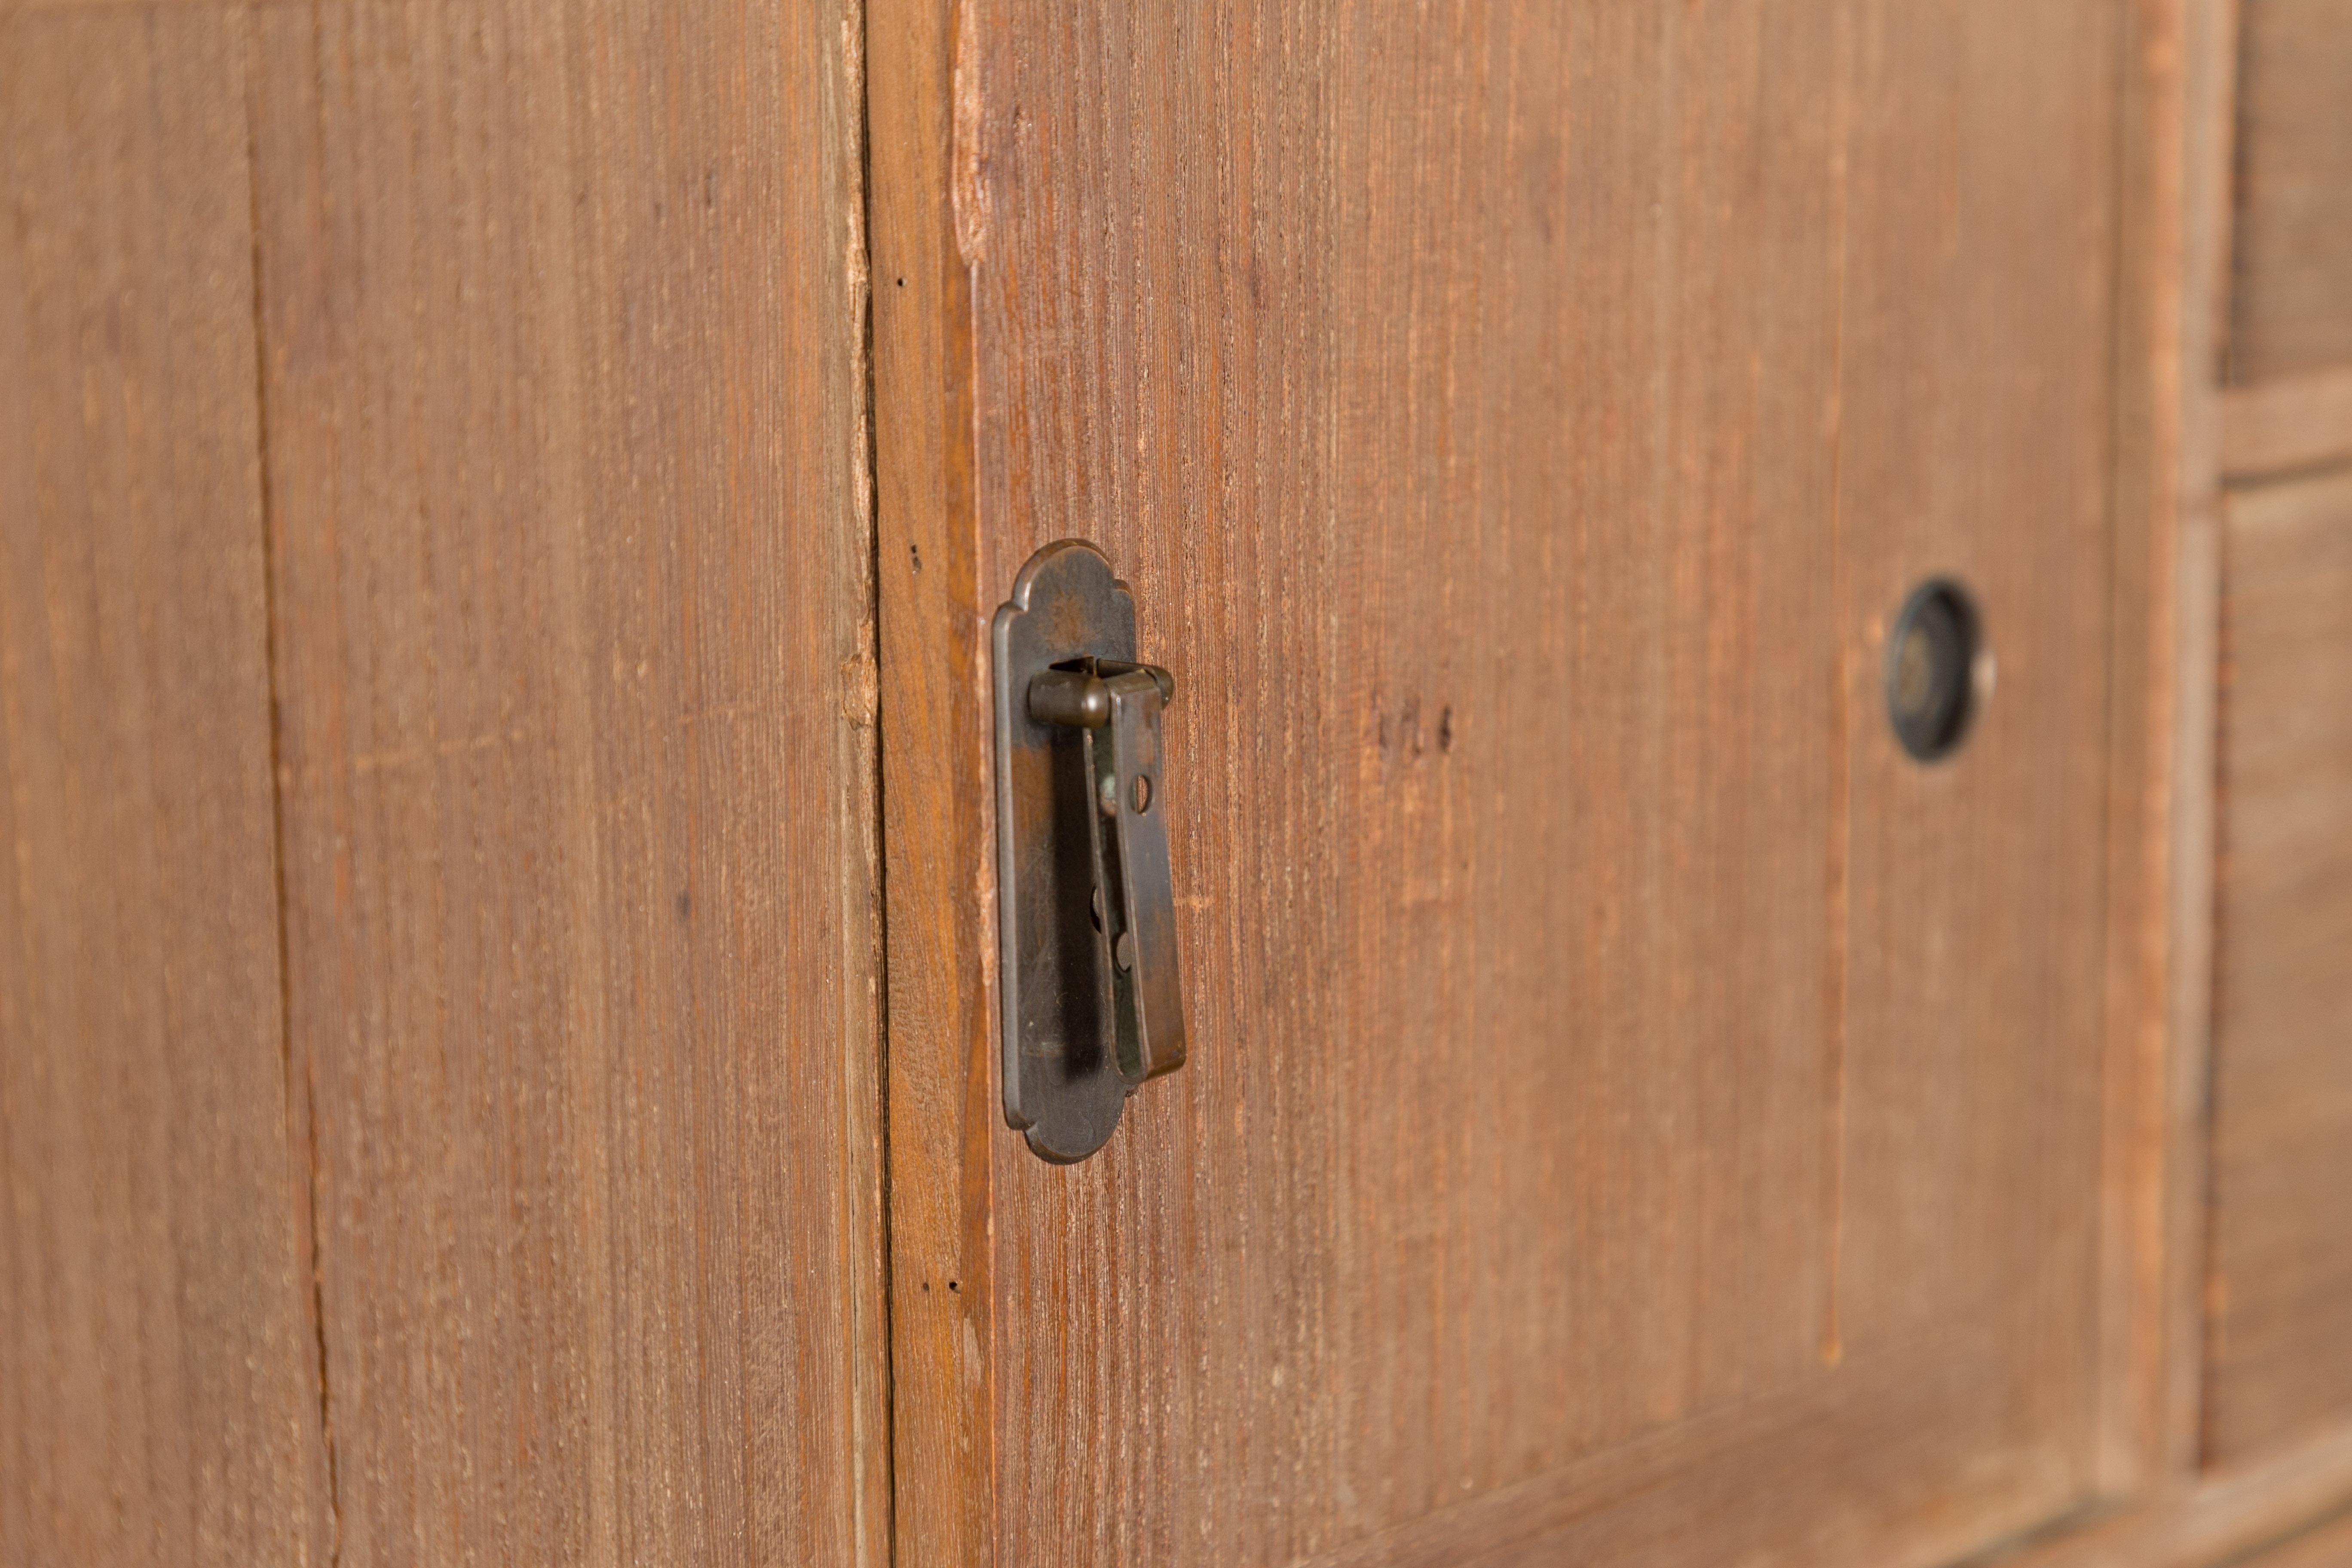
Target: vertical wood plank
[(944, 1112), (1975, 444), (562, 327), (159, 1377), (2173, 264)]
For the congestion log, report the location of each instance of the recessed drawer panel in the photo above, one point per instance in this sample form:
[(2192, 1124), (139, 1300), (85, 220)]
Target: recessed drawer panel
[(2280, 1346)]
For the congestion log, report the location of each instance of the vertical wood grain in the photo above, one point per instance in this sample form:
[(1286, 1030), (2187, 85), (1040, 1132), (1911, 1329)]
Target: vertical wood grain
[(2172, 269), (1519, 423), (561, 322), (1974, 1004), (2280, 1346), (944, 1111), (1444, 518), (158, 1378)]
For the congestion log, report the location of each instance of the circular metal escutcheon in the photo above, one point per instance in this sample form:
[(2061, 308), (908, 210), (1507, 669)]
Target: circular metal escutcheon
[(1931, 668)]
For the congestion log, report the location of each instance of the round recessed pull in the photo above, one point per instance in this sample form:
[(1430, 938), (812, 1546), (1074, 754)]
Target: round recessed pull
[(1931, 663)]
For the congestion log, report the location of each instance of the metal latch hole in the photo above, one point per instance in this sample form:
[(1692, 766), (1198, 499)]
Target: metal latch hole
[(1933, 656)]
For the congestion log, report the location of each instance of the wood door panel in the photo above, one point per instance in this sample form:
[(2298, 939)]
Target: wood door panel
[(2279, 1351), (159, 1369), (1379, 525), (1518, 429), (2291, 295), (1975, 393), (560, 313)]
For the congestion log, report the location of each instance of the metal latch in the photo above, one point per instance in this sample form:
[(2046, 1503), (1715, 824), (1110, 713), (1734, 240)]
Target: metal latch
[(1086, 907)]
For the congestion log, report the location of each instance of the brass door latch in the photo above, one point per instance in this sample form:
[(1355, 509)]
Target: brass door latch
[(1086, 907)]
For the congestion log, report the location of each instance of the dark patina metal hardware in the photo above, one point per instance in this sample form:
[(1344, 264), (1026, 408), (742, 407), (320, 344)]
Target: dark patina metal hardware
[(1087, 911), (1935, 666)]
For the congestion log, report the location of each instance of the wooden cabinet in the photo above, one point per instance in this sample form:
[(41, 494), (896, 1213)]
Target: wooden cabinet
[(1622, 1079), (2289, 312), (159, 1383), (2281, 1347), (441, 1060), (500, 508), (2278, 1348), (2324, 1547), (572, 627)]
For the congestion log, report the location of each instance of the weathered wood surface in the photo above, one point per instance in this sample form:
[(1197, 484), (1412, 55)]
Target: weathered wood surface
[(2280, 1348), (2276, 428), (2172, 251), (1604, 1042), (2218, 1517), (159, 1367), (2290, 302), (2328, 1546), (541, 495), (562, 333)]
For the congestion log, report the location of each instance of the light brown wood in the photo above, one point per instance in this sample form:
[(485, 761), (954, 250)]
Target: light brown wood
[(2304, 422), (2291, 310), (159, 1369), (1519, 1203), (2173, 257), (2328, 1546), (561, 323), (126, 10), (2280, 1352), (2215, 1516), (1519, 439), (1976, 936), (2206, 158)]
